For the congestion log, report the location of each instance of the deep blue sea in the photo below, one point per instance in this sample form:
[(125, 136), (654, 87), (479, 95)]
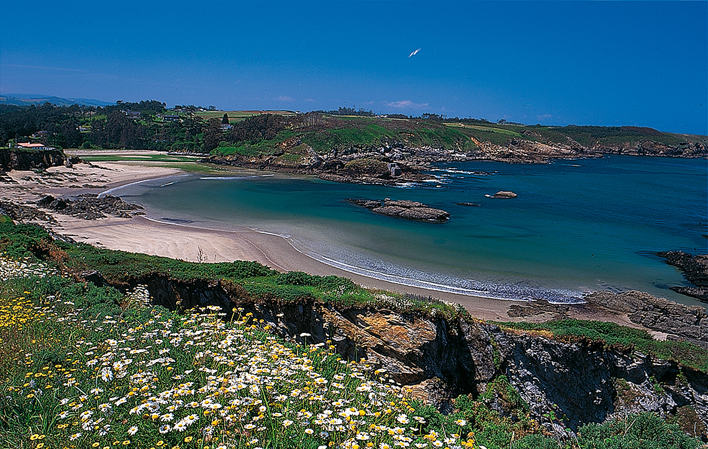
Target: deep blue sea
[(576, 226)]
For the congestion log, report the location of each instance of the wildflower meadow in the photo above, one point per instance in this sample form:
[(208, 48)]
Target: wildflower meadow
[(86, 366)]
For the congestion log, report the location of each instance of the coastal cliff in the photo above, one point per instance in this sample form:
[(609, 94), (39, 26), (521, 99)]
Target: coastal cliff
[(549, 378), (562, 383)]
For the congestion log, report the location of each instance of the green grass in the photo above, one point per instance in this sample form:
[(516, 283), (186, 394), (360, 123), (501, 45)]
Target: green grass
[(237, 116), (87, 366), (249, 149), (620, 337)]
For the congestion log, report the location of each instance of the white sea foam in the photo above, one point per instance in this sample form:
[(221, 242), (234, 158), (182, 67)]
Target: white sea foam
[(414, 278), (144, 181), (234, 178)]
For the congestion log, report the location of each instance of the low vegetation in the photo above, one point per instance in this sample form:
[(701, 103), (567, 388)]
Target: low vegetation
[(90, 366), (619, 337)]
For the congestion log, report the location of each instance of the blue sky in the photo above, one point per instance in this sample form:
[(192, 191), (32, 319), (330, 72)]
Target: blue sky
[(557, 63)]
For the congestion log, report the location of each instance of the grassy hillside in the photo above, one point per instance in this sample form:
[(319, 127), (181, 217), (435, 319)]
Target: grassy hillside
[(89, 366), (343, 133)]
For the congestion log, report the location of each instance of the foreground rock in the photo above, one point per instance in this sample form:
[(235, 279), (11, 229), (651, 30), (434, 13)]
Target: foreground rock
[(23, 213), (695, 270), (90, 206), (410, 210)]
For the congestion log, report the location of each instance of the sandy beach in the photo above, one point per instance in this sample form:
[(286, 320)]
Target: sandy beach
[(180, 241)]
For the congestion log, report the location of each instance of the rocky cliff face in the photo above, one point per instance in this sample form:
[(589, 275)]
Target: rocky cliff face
[(562, 384), (27, 160)]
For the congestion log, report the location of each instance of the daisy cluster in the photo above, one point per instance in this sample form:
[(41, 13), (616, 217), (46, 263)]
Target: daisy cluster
[(193, 380)]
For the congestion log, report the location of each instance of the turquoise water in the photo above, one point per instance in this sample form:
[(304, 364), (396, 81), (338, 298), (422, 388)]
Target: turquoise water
[(576, 226)]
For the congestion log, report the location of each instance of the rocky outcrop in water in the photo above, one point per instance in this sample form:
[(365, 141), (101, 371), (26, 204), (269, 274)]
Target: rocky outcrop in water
[(503, 195), (410, 210), (396, 162), (695, 270)]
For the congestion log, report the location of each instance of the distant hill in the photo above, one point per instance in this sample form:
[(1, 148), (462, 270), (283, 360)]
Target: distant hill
[(30, 99)]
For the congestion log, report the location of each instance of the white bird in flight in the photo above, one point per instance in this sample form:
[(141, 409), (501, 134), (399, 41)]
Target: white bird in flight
[(414, 53)]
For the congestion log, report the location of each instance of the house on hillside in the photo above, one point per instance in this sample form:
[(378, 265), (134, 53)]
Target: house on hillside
[(171, 118), (132, 114)]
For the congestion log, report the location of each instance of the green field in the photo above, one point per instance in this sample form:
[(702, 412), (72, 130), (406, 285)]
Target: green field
[(237, 116)]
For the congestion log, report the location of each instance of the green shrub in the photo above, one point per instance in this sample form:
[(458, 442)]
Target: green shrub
[(21, 241), (640, 431)]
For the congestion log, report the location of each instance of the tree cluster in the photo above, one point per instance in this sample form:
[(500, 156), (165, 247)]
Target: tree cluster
[(350, 111)]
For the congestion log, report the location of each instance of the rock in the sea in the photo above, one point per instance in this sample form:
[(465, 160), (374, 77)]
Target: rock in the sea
[(695, 270), (502, 194), (411, 210)]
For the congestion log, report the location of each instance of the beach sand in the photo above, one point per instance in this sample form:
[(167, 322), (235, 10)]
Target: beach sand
[(179, 241)]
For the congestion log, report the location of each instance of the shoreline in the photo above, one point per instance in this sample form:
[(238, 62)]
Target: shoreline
[(150, 236)]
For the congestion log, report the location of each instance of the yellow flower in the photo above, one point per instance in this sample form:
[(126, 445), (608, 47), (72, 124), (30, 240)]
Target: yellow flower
[(188, 439), (34, 437)]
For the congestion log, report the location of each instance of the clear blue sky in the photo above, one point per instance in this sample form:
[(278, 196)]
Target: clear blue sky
[(584, 63)]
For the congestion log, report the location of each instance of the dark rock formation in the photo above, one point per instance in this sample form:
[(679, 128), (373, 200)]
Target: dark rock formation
[(537, 307), (411, 210), (468, 204), (681, 322), (502, 194), (695, 270), (89, 206), (30, 159), (23, 213)]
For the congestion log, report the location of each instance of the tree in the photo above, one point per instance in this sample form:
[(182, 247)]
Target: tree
[(225, 119), (212, 135)]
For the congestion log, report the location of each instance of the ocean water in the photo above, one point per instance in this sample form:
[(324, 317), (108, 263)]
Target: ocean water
[(576, 226)]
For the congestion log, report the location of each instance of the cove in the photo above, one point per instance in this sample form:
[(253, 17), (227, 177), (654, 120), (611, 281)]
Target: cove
[(576, 226)]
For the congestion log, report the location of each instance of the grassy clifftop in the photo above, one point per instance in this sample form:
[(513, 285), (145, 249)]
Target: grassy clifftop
[(344, 133), (83, 365), (327, 133)]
